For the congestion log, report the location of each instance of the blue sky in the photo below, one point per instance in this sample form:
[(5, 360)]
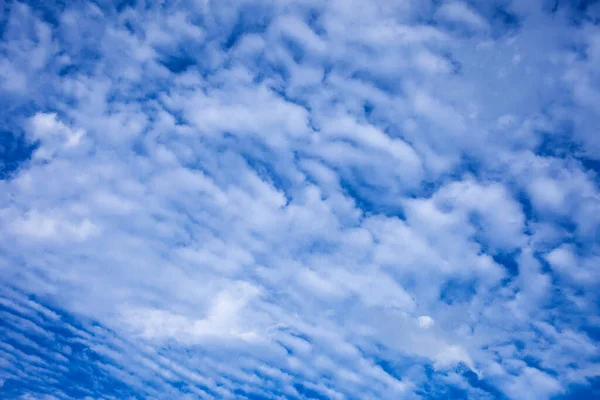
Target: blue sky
[(248, 199)]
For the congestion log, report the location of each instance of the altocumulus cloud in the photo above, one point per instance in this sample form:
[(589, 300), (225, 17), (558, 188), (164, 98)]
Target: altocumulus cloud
[(300, 199)]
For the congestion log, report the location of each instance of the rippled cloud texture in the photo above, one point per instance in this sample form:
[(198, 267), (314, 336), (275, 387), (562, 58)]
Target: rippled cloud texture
[(300, 199)]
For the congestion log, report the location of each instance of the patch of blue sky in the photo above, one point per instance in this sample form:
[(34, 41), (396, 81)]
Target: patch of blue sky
[(14, 152)]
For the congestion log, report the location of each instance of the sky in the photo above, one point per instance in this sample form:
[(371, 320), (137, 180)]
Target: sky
[(300, 199)]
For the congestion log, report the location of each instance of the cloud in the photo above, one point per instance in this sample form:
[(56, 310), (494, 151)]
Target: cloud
[(425, 321), (459, 12), (247, 199)]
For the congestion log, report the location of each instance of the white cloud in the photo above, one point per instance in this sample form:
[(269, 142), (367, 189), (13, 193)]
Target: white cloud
[(425, 321), (459, 12), (545, 385), (53, 135), (36, 225)]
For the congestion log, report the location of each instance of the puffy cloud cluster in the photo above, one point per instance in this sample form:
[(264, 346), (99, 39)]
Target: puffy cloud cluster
[(299, 199)]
